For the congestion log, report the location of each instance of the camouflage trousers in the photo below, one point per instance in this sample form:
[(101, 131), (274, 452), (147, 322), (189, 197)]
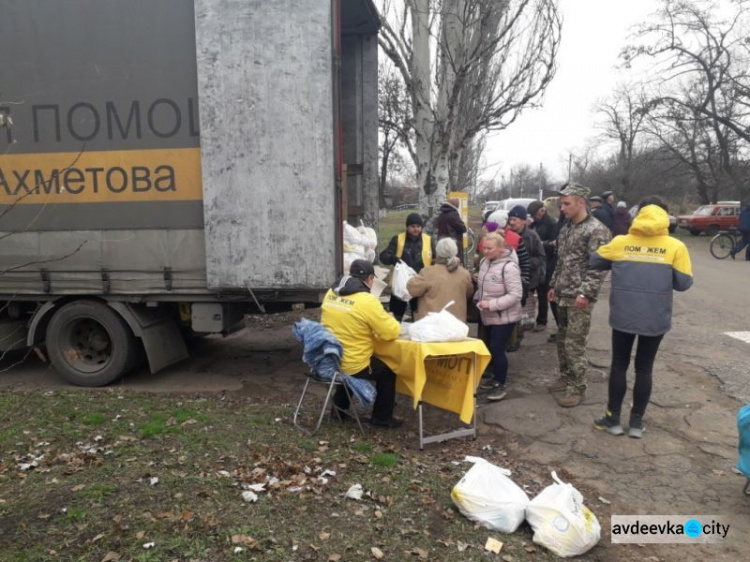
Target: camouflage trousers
[(572, 335)]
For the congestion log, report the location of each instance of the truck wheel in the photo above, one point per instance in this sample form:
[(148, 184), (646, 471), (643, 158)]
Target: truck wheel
[(712, 230), (694, 232), (89, 344)]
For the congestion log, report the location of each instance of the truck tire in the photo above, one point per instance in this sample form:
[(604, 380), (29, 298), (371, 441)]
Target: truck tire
[(694, 232), (89, 344), (712, 230)]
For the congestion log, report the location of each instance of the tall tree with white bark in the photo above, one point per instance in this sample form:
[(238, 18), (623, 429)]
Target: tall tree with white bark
[(470, 66)]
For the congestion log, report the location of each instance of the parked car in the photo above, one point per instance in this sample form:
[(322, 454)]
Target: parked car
[(672, 219), (711, 219), (508, 204), (489, 206)]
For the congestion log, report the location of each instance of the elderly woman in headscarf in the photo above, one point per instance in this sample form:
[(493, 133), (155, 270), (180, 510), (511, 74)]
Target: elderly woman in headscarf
[(446, 281)]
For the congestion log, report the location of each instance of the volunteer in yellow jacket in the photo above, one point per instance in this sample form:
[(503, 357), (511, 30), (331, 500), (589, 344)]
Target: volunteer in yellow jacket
[(416, 249), (647, 266), (356, 318)]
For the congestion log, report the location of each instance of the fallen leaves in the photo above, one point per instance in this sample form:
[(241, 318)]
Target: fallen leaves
[(493, 545), (246, 541), (377, 553)]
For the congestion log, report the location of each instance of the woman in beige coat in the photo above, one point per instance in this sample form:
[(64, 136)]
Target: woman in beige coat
[(439, 284)]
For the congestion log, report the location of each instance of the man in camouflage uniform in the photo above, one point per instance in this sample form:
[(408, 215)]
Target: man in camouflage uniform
[(574, 286)]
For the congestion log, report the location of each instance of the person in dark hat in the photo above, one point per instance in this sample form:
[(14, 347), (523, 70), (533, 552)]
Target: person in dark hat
[(600, 213), (546, 229), (450, 224), (416, 249), (517, 223), (608, 207), (354, 316)]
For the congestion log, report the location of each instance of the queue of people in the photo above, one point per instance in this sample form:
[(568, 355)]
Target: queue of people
[(519, 253)]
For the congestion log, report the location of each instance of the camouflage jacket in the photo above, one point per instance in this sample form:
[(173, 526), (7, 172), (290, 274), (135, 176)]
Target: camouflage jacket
[(575, 244)]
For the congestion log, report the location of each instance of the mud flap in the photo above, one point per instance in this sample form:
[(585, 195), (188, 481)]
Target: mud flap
[(161, 337)]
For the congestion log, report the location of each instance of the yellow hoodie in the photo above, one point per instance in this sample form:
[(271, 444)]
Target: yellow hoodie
[(647, 266), (355, 320)]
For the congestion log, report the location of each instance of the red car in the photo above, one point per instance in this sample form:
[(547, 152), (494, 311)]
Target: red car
[(711, 219)]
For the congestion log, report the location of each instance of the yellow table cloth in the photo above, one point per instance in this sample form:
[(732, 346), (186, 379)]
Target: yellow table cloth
[(447, 380)]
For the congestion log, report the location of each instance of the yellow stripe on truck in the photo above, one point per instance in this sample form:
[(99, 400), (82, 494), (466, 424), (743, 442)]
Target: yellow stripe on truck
[(172, 174)]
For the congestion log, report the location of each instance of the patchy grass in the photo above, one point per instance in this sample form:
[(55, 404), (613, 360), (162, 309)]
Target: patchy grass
[(171, 471), (395, 222), (385, 460)]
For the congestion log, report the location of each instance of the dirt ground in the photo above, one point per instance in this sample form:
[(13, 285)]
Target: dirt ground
[(683, 465)]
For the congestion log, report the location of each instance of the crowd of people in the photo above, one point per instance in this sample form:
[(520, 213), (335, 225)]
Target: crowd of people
[(528, 264)]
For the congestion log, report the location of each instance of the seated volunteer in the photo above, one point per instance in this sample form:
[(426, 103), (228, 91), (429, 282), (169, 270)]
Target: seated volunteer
[(356, 318), (439, 284), (416, 250), (647, 266)]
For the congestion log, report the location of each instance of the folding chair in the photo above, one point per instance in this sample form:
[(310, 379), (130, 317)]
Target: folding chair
[(336, 381)]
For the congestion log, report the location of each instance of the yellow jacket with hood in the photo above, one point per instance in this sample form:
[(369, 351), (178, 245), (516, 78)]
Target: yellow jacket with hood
[(647, 266), (356, 318)]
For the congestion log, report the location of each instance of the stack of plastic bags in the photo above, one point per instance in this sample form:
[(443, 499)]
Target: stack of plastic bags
[(560, 520), (359, 244)]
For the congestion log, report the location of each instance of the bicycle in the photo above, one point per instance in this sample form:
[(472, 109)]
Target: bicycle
[(722, 243)]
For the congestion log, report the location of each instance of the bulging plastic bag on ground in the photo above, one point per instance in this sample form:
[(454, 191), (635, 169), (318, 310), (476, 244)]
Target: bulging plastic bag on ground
[(439, 326), (401, 275), (487, 496), (561, 522)]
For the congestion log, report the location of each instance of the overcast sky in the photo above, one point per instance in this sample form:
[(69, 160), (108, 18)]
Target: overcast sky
[(594, 32)]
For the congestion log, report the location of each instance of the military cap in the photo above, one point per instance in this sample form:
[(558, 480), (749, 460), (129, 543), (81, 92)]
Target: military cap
[(576, 189), (607, 194), (596, 198)]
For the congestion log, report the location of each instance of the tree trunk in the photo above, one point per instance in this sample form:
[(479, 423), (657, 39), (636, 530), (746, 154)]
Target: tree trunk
[(421, 100)]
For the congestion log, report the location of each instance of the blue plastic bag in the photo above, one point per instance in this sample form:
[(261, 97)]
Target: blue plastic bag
[(743, 428)]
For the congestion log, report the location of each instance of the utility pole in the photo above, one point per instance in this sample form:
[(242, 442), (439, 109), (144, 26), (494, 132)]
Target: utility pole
[(540, 181), (570, 164)]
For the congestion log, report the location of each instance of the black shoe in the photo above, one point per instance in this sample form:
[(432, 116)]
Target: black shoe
[(498, 392), (392, 423), (731, 254), (609, 423), (512, 348), (635, 427)]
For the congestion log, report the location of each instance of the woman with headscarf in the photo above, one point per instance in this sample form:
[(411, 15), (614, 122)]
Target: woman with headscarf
[(623, 220), (439, 284), (498, 298)]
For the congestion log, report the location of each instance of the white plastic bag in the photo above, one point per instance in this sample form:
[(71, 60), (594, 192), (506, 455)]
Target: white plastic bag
[(561, 522), (369, 236), (487, 496), (353, 241), (401, 275), (439, 326)]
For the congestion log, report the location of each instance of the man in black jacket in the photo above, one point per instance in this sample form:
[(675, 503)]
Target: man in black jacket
[(414, 248), (450, 225), (599, 212), (546, 229)]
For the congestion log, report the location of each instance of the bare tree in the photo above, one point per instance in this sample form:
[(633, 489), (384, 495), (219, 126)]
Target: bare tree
[(699, 53), (624, 113), (492, 59), (394, 112)]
